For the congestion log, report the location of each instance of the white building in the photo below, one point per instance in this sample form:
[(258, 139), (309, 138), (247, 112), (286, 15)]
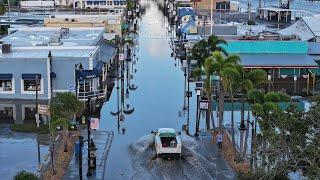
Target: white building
[(37, 4), (116, 5), (306, 29), (64, 3)]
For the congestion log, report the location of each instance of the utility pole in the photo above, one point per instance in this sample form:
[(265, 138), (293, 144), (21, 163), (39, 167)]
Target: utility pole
[(37, 112), (9, 10), (211, 16)]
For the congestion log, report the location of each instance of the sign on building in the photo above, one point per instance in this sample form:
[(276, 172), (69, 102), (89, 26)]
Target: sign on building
[(44, 109), (71, 88), (94, 123)]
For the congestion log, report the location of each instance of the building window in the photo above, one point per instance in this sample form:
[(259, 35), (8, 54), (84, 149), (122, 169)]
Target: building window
[(28, 83), (89, 3), (29, 115), (102, 3), (6, 114), (109, 3), (122, 3), (116, 3), (6, 83)]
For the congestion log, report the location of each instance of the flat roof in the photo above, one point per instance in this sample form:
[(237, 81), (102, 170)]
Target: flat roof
[(278, 9), (278, 60), (261, 47), (42, 52), (314, 48), (42, 36)]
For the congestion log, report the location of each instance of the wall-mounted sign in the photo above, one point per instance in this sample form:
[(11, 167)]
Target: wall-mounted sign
[(204, 105), (44, 109), (71, 87)]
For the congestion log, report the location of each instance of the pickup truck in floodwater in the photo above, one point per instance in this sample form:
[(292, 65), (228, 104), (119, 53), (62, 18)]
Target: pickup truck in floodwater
[(167, 142)]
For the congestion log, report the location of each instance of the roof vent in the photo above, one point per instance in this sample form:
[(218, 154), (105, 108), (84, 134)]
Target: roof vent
[(64, 32), (6, 48)]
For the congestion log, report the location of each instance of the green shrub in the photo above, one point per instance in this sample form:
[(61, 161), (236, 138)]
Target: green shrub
[(23, 175), (30, 128), (251, 22)]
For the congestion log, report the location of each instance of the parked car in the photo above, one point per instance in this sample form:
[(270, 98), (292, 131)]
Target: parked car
[(167, 142)]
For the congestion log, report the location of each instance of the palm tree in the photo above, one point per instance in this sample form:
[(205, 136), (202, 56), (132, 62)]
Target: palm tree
[(263, 107), (208, 70), (203, 49), (63, 108), (249, 80), (229, 80), (2, 8), (219, 64)]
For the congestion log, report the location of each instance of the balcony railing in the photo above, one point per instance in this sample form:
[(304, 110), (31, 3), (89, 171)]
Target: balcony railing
[(100, 94)]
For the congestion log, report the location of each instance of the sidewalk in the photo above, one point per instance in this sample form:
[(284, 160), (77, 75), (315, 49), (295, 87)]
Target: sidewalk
[(103, 140), (210, 151)]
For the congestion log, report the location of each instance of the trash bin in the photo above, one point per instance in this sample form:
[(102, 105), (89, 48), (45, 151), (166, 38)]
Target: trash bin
[(77, 148)]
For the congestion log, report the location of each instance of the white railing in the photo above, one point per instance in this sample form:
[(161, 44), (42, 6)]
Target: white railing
[(83, 96)]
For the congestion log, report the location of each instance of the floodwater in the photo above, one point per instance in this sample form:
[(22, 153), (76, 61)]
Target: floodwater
[(157, 101), (18, 151)]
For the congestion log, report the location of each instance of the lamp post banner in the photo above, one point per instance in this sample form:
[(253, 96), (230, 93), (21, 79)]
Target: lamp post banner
[(94, 123)]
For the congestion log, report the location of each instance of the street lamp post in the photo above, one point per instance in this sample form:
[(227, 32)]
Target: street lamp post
[(242, 129), (89, 134), (51, 92)]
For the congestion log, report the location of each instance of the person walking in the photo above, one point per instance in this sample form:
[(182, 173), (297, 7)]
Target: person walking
[(219, 139)]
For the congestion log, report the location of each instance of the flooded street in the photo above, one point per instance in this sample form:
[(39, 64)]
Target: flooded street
[(157, 99), (18, 151)]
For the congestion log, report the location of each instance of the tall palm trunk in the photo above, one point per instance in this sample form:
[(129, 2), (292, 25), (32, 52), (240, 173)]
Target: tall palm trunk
[(221, 104), (247, 134), (232, 122)]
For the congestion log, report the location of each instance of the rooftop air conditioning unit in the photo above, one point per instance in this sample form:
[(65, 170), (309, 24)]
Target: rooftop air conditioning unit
[(64, 31), (6, 48)]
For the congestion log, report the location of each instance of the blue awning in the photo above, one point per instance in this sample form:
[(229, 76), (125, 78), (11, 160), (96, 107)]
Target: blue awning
[(87, 74), (99, 67), (30, 76), (5, 76)]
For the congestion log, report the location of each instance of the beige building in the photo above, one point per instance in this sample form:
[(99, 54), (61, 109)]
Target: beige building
[(223, 5), (112, 23)]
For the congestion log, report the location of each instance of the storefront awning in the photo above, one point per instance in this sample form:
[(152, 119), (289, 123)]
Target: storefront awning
[(5, 76), (87, 74), (30, 76)]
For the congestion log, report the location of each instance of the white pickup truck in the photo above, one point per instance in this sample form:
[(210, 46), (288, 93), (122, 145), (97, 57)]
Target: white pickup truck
[(167, 142)]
